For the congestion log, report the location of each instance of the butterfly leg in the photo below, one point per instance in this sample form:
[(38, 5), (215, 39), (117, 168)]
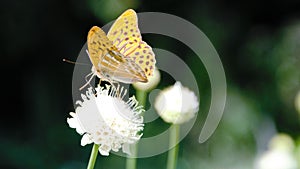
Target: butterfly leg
[(88, 81), (86, 77), (87, 52), (115, 88)]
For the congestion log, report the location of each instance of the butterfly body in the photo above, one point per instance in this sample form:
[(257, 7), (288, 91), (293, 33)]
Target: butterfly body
[(121, 55)]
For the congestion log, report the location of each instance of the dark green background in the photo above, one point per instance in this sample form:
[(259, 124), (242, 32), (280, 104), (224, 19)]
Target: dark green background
[(258, 43)]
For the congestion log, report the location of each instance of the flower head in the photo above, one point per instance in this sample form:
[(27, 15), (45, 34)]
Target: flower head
[(105, 119), (176, 104), (279, 155), (152, 82)]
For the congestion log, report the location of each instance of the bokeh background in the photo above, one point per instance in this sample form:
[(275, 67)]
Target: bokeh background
[(258, 43)]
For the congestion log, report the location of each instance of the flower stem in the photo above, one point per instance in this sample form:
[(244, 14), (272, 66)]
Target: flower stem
[(131, 160), (93, 157), (173, 152), (141, 97)]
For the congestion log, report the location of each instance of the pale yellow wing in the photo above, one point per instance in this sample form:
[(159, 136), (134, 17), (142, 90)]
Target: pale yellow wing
[(98, 45), (108, 62), (126, 37)]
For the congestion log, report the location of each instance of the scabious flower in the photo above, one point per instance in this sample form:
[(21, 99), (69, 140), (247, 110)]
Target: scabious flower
[(176, 104), (152, 82), (280, 154), (103, 118)]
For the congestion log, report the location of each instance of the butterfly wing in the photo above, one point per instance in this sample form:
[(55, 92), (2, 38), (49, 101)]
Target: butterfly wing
[(97, 43), (109, 63), (126, 37), (121, 69)]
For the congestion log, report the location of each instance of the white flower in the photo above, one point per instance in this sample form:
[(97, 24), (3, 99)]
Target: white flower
[(280, 154), (176, 104), (152, 82), (105, 119)]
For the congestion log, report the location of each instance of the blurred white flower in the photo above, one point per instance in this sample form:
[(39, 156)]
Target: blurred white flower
[(176, 104), (152, 82), (105, 119), (280, 154)]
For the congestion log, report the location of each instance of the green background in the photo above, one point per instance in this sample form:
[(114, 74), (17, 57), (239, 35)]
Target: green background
[(258, 43)]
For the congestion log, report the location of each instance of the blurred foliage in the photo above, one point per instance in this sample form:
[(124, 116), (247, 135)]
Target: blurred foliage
[(107, 11), (258, 43)]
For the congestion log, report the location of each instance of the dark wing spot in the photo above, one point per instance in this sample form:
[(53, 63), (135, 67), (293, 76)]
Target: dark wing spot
[(144, 51), (147, 63), (131, 30), (130, 43), (127, 39), (125, 33), (137, 53), (148, 56), (133, 35), (140, 61), (142, 56)]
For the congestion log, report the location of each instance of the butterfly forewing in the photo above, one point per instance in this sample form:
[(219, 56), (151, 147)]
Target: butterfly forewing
[(98, 43), (126, 36)]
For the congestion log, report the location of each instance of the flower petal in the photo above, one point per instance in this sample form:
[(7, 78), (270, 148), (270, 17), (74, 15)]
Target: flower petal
[(85, 140)]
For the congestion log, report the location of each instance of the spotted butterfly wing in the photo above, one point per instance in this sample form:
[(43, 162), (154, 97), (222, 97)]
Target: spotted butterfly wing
[(126, 37), (108, 63)]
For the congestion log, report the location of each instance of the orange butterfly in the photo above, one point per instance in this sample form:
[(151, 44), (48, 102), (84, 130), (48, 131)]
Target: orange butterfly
[(121, 55)]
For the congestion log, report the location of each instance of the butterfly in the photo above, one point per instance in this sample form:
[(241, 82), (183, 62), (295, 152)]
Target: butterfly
[(121, 55)]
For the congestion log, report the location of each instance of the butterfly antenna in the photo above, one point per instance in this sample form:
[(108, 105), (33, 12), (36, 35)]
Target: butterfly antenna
[(75, 63)]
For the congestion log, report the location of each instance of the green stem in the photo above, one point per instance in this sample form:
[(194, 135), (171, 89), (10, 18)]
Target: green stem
[(131, 160), (141, 97), (173, 152), (93, 157)]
